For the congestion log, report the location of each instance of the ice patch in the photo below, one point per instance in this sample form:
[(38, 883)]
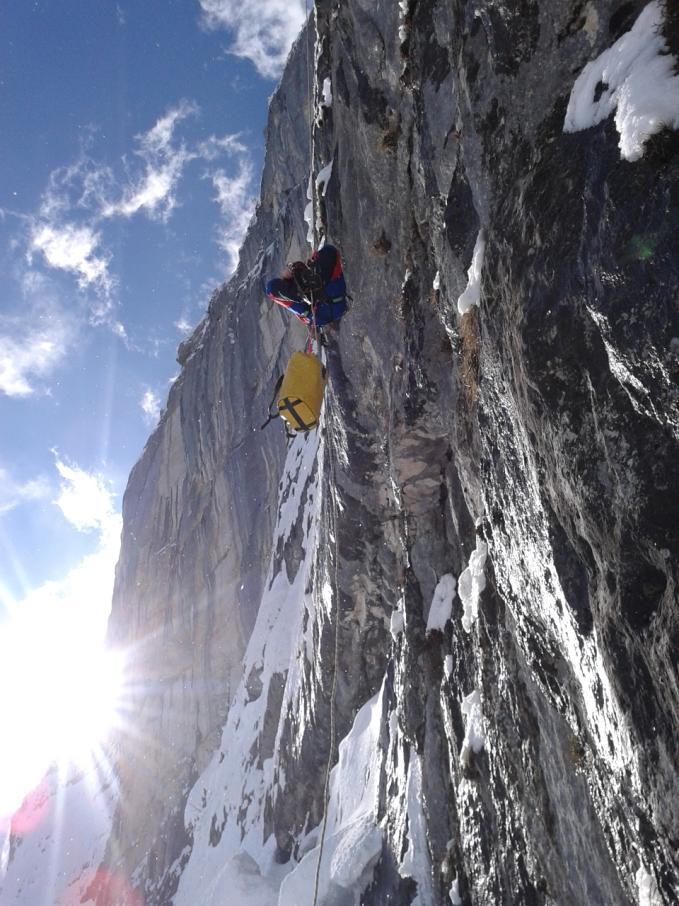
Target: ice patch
[(323, 178), (403, 27), (354, 841), (471, 584), (415, 863), (472, 293), (474, 737), (636, 79), (648, 889), (397, 623), (448, 666), (455, 893), (327, 93), (442, 603)]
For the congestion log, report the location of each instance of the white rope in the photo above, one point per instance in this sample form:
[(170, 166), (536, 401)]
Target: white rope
[(333, 692), (311, 95)]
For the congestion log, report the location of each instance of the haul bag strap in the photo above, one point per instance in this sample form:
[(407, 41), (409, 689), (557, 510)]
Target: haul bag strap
[(273, 415), (288, 405)]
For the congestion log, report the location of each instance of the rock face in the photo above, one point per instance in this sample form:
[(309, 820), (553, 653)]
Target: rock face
[(528, 449)]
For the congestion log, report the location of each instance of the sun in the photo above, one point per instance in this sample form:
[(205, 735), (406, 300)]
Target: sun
[(61, 697)]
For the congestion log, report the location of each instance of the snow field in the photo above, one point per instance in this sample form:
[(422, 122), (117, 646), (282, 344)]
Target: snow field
[(225, 809)]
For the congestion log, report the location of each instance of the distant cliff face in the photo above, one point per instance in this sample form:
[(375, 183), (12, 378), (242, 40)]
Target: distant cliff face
[(488, 514)]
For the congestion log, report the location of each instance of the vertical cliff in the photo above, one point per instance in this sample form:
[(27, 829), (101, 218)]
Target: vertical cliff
[(469, 572)]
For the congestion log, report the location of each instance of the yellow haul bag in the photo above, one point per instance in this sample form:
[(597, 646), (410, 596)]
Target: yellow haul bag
[(301, 394)]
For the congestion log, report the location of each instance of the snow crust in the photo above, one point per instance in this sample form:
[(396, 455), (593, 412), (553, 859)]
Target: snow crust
[(327, 93), (323, 178), (471, 584), (403, 28), (448, 666), (416, 864), (636, 79), (472, 293), (397, 624), (474, 737), (354, 841), (442, 603), (649, 894)]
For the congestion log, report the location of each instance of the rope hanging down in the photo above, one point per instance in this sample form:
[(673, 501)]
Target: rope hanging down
[(332, 457), (311, 92)]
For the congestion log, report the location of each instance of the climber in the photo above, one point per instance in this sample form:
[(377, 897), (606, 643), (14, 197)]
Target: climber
[(318, 283)]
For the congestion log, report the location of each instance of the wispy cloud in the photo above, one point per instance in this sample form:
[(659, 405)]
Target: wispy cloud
[(184, 326), (237, 204), (72, 248), (84, 498), (69, 234), (150, 405), (36, 342), (154, 192), (263, 31), (13, 492)]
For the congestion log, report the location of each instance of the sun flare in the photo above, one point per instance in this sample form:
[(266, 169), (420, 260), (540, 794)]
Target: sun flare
[(62, 697)]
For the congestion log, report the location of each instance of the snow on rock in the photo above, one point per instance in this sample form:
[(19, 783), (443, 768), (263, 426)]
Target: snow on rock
[(403, 26), (416, 864), (327, 93), (354, 841), (472, 293), (442, 603), (436, 285), (397, 624), (309, 211), (648, 889), (639, 83), (229, 851), (448, 666), (474, 737), (454, 893), (323, 178), (471, 584)]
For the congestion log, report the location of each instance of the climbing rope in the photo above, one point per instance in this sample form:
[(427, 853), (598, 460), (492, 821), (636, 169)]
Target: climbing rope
[(311, 94), (332, 457), (313, 337)]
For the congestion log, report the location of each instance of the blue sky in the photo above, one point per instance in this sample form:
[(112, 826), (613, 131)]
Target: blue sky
[(131, 156), (132, 147)]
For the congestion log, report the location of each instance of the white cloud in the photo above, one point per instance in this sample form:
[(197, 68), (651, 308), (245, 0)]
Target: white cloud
[(33, 345), (84, 498), (155, 191), (13, 492), (72, 248), (150, 405), (213, 147), (237, 205), (263, 31), (184, 326)]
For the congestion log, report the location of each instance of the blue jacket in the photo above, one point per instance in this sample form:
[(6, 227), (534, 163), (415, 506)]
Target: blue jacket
[(331, 304)]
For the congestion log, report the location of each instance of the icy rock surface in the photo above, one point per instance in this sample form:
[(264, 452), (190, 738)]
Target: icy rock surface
[(541, 425)]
